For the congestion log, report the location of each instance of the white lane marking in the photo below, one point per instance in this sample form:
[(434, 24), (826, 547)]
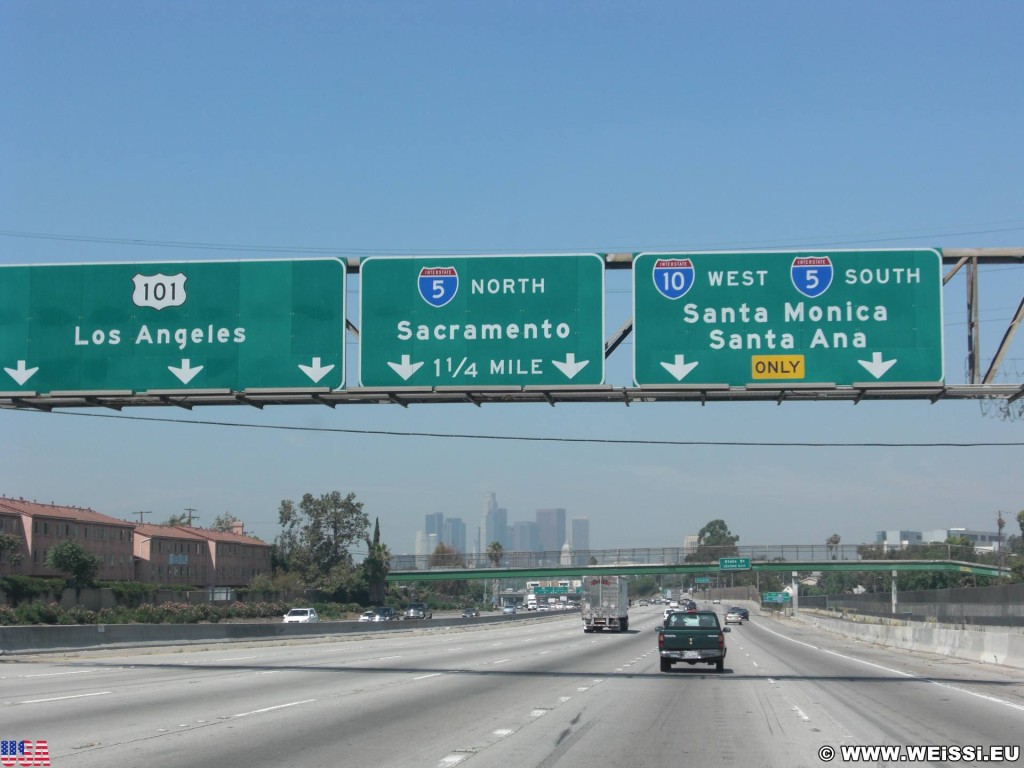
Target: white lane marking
[(387, 658), (500, 661), (911, 675), (800, 714), (452, 760), (563, 699), (755, 664), (279, 706), (538, 713), (234, 658), (58, 674), (583, 688), (424, 677), (501, 733), (64, 698)]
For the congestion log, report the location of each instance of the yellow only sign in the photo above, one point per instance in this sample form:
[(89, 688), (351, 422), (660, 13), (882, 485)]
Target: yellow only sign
[(777, 367)]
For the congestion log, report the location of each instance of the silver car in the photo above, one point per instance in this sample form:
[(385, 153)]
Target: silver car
[(301, 616)]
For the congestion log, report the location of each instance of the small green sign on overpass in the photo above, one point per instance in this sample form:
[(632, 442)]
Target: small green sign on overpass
[(734, 563), (775, 597)]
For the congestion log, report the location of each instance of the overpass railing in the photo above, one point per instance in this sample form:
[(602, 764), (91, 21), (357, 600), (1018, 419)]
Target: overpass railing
[(794, 553)]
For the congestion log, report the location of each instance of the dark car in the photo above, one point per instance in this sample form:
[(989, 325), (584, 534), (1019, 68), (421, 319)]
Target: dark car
[(743, 612), (470, 613), (385, 613)]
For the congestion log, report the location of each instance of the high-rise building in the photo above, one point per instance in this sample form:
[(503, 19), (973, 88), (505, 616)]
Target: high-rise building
[(493, 523), (435, 524), (579, 533), (454, 534), (497, 528), (551, 530), (525, 536)]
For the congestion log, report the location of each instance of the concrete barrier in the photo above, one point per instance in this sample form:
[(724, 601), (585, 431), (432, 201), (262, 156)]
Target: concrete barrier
[(1004, 646), (52, 639)]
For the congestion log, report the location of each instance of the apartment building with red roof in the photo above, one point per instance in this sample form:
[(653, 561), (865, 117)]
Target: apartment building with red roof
[(41, 526), (235, 557), (171, 554), (151, 554)]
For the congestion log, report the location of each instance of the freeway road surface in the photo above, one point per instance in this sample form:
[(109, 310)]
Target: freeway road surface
[(532, 691)]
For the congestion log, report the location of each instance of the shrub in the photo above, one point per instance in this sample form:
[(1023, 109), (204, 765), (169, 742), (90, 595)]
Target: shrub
[(37, 613)]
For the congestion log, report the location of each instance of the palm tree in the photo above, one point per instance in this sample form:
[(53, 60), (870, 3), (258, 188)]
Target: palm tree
[(494, 553), (832, 545)]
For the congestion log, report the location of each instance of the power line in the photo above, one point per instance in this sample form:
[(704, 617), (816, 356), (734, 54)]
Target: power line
[(536, 439), (812, 242)]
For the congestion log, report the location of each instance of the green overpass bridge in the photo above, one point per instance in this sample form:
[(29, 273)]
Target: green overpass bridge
[(661, 561)]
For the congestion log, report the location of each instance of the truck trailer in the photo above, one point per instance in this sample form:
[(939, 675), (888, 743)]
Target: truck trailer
[(604, 602)]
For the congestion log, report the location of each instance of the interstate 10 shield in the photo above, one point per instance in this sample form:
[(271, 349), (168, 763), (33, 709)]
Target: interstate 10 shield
[(673, 277)]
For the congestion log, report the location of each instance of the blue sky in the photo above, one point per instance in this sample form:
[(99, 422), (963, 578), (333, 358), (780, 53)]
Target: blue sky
[(369, 128)]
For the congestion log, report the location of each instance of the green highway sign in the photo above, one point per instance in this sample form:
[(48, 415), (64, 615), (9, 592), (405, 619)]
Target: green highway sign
[(481, 321), (551, 590), (174, 326), (702, 580), (775, 597), (734, 563), (806, 317)]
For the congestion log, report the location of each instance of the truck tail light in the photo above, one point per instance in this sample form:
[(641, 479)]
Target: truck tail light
[(721, 639), (661, 641)]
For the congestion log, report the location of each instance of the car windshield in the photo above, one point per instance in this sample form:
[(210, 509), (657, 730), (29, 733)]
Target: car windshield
[(298, 612)]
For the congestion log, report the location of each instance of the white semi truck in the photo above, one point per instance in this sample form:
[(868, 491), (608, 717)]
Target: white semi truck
[(604, 602)]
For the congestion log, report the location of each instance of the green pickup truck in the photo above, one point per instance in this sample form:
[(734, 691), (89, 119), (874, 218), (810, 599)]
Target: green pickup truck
[(694, 637)]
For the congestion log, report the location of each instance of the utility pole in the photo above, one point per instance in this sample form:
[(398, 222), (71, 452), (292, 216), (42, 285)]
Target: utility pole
[(190, 510), (1000, 523), (140, 513)]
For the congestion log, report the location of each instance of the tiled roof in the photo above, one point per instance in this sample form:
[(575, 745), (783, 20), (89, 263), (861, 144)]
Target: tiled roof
[(166, 532), (226, 536), (35, 509)]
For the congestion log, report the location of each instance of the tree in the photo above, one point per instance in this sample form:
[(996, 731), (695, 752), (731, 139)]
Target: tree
[(73, 560), (832, 546), (445, 556), (317, 533), (494, 553), (714, 541), (11, 546), (181, 519), (224, 522), (376, 566)]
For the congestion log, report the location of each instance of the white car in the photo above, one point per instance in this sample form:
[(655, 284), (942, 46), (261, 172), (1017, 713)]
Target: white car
[(366, 616), (733, 617), (301, 616)]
